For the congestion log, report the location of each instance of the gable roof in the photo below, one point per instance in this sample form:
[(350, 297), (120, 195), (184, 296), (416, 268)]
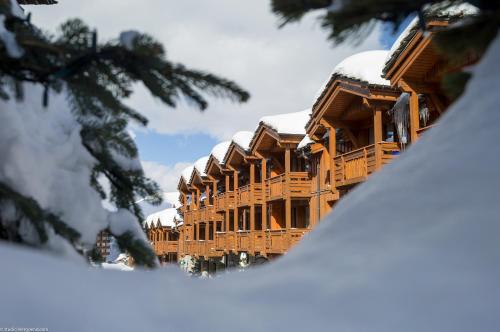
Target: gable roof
[(241, 140), (365, 67), (436, 13), (166, 218), (199, 168), (288, 123)]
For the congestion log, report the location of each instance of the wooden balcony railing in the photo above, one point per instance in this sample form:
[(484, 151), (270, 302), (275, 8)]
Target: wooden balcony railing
[(276, 241), (420, 131), (296, 235), (220, 241), (270, 241), (207, 213), (280, 241), (196, 216), (244, 240), (245, 195), (355, 166), (188, 217), (299, 185), (225, 201), (259, 241)]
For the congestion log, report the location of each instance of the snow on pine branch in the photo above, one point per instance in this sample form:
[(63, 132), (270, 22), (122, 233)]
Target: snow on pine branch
[(43, 158)]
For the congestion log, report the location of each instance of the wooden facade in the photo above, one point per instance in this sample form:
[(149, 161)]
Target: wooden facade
[(262, 199)]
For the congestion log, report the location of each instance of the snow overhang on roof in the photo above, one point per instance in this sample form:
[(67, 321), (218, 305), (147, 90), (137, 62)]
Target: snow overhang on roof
[(283, 124), (241, 139), (199, 168), (217, 154), (287, 123), (365, 67), (186, 176), (165, 217), (306, 141), (432, 13)]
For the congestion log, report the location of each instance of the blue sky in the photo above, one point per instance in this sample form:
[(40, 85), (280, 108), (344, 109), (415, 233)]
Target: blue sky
[(170, 149)]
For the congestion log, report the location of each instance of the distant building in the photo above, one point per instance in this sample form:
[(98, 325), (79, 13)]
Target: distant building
[(103, 244)]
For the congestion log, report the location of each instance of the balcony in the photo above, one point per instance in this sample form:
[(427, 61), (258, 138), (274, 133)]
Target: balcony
[(423, 130), (282, 240), (195, 216), (244, 240), (299, 185), (220, 241), (207, 213), (191, 247), (355, 166), (225, 201), (276, 241), (245, 195)]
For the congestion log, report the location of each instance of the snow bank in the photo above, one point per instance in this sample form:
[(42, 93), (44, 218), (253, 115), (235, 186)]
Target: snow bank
[(166, 217), (415, 248), (117, 266), (288, 123)]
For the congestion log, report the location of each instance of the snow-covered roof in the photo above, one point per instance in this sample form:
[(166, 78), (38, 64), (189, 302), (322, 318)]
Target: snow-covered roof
[(220, 150), (365, 67), (172, 198), (288, 123), (305, 142), (201, 164), (432, 12), (243, 139), (166, 218), (186, 173)]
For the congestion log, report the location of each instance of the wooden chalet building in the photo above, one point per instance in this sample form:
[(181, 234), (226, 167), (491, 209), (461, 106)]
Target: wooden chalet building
[(162, 229), (257, 195), (351, 133)]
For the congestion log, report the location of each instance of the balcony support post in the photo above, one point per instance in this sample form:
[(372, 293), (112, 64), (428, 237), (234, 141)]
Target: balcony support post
[(235, 211), (252, 204), (214, 192), (288, 198), (207, 194), (377, 131), (263, 177)]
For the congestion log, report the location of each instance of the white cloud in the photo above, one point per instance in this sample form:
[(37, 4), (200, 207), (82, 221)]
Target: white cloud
[(282, 68), (166, 176)]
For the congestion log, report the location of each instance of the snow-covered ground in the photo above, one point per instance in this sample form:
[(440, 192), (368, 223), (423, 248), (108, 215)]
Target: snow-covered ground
[(415, 248)]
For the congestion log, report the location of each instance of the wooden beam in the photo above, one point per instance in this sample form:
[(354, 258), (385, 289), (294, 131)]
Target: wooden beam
[(377, 125), (264, 193), (414, 117), (332, 151), (288, 199)]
